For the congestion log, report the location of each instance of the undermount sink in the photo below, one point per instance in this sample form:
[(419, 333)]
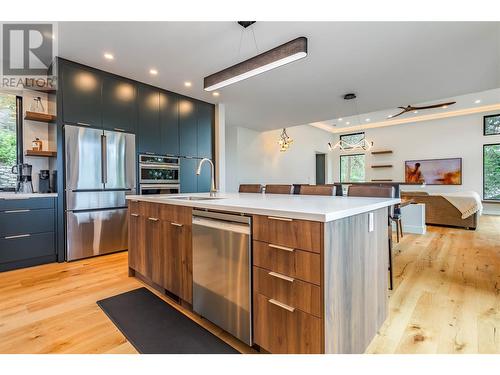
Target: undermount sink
[(197, 198)]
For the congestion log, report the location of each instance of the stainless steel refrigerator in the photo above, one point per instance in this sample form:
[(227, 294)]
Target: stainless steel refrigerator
[(99, 173)]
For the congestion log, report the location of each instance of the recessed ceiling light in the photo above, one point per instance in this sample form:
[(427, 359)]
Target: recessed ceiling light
[(390, 116), (348, 123), (108, 56), (415, 112), (477, 101), (153, 71), (444, 106), (340, 119), (367, 120), (187, 84), (215, 93)]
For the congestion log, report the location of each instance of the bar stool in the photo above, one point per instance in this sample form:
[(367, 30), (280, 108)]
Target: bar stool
[(250, 188), (317, 190), (279, 189)]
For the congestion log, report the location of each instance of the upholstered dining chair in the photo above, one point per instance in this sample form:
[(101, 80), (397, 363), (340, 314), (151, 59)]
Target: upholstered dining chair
[(381, 192), (317, 190), (279, 189), (250, 188)]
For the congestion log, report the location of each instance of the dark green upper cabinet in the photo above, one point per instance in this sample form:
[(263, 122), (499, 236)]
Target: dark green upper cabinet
[(169, 122), (81, 95), (187, 127), (205, 129), (148, 120), (118, 104)]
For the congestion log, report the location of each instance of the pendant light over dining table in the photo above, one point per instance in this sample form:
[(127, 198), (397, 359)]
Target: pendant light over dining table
[(286, 53)]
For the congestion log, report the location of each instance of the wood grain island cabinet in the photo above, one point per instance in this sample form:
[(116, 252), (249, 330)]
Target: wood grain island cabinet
[(317, 286)]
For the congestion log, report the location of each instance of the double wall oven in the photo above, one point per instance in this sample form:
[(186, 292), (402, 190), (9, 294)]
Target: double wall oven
[(159, 174)]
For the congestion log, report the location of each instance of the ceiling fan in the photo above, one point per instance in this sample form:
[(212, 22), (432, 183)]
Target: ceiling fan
[(410, 108)]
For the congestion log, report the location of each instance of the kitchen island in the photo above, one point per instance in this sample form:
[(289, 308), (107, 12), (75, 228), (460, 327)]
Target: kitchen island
[(319, 264)]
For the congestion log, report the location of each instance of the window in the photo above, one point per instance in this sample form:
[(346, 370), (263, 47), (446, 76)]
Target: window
[(491, 172), (9, 142), (352, 168), (352, 138), (491, 125)]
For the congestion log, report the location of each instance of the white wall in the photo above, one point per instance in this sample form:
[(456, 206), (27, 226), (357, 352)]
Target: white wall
[(254, 157), (445, 138)]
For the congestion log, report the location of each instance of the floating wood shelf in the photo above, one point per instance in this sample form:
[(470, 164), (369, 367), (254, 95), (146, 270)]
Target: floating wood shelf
[(41, 153), (381, 152), (40, 117), (382, 166), (382, 180), (46, 89)]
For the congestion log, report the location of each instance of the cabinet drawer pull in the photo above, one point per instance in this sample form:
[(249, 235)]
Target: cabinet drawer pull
[(14, 211), (279, 218), (282, 305), (153, 218), (83, 123), (134, 215), (280, 276), (281, 247), (176, 224), (18, 236), (119, 129)]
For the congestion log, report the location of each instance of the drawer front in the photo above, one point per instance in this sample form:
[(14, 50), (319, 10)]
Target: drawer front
[(134, 207), (149, 210), (22, 221), (303, 265), (176, 214), (26, 247), (281, 331), (300, 234), (29, 203), (292, 292)]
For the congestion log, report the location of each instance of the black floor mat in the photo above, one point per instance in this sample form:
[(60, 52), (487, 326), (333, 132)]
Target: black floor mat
[(154, 327)]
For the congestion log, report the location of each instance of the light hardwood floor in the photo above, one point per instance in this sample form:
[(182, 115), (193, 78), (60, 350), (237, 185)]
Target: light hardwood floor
[(446, 299)]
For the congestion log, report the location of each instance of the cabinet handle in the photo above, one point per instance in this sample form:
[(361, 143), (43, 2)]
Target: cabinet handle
[(14, 211), (18, 236), (119, 129), (282, 305), (281, 247), (83, 123), (134, 215), (153, 218), (176, 224), (280, 276), (279, 218)]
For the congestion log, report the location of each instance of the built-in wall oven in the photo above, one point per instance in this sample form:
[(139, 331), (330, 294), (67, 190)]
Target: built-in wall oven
[(159, 174)]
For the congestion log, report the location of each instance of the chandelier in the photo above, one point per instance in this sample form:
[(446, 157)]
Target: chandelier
[(346, 146), (285, 141)]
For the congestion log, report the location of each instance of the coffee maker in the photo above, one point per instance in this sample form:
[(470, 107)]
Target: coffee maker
[(24, 184), (44, 181)]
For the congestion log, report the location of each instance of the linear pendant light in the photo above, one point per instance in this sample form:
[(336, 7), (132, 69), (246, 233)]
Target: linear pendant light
[(286, 53)]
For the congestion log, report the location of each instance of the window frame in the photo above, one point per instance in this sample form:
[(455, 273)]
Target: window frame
[(350, 134), (484, 197), (19, 133), (484, 125), (340, 166)]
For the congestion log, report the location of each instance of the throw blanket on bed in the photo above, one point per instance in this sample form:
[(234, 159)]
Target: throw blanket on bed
[(468, 203)]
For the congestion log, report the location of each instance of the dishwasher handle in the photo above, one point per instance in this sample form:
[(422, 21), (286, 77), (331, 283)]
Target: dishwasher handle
[(222, 225)]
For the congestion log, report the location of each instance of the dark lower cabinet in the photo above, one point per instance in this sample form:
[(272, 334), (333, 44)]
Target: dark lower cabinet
[(27, 232), (148, 120), (119, 109), (81, 95), (169, 122)]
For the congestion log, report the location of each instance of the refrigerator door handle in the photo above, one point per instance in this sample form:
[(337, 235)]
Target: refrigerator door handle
[(104, 160)]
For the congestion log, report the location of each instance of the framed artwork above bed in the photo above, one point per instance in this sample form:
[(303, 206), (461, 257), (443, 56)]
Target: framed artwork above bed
[(434, 171)]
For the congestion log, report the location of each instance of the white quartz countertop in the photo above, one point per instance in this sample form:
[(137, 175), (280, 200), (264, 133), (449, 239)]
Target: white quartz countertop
[(13, 195), (305, 207)]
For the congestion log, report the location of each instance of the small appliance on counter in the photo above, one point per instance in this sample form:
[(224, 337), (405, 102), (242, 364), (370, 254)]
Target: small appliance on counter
[(53, 182), (24, 184), (44, 181)]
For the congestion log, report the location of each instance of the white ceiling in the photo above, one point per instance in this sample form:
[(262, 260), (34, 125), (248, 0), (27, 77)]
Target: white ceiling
[(385, 64)]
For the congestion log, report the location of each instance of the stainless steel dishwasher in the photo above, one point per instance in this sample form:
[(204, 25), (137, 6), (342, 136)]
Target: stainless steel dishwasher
[(222, 271)]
